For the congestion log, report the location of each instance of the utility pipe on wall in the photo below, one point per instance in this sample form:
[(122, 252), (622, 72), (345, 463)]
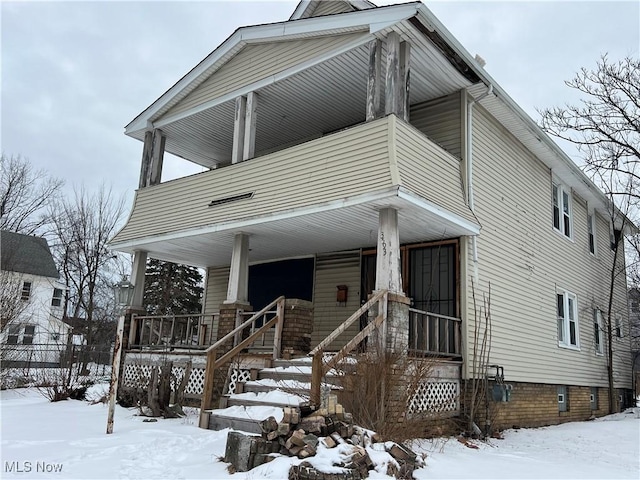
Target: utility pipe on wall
[(469, 168)]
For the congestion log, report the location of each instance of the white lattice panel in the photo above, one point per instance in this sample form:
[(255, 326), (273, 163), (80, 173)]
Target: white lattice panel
[(136, 375), (435, 397), (237, 376)]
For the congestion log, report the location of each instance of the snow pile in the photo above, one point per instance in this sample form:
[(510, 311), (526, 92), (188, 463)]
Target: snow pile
[(70, 435)]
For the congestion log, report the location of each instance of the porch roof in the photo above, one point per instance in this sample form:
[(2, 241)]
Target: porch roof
[(346, 224)]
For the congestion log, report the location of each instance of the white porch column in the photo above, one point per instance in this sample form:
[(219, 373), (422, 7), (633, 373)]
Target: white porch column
[(237, 291), (238, 129), (138, 271), (388, 274), (251, 110)]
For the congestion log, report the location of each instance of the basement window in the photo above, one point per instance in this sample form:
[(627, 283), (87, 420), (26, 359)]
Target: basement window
[(593, 398)]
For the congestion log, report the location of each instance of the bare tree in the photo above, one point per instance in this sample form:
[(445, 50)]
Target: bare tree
[(25, 194), (83, 226), (605, 125)]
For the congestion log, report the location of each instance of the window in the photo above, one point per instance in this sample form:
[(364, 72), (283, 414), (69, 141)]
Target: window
[(21, 334), (618, 324), (27, 336), (563, 399), (14, 334), (56, 301), (567, 319), (593, 398), (597, 330), (591, 228), (26, 291), (561, 209)]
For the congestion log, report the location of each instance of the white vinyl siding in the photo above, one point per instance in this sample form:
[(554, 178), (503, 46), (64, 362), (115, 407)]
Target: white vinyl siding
[(440, 120), (330, 8), (350, 162), (335, 269), (216, 293), (523, 260), (256, 62)]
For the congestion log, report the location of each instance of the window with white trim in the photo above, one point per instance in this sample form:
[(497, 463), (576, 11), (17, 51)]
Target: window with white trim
[(567, 306), (56, 301), (561, 209), (597, 330), (618, 324), (26, 291), (591, 229)]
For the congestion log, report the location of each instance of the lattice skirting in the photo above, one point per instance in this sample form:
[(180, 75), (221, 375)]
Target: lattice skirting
[(137, 376), (237, 375), (442, 396)]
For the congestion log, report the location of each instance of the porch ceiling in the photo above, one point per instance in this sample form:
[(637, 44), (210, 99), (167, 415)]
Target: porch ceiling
[(335, 91), (343, 228)]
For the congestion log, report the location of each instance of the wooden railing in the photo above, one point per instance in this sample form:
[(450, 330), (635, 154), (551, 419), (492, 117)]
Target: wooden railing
[(434, 334), (170, 331), (320, 366), (214, 362)]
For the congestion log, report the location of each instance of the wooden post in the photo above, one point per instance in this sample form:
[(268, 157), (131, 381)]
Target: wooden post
[(115, 373), (145, 164), (138, 271), (393, 87), (405, 54), (237, 338), (250, 126), (388, 254), (239, 273), (157, 157), (207, 392), (316, 378), (277, 340), (374, 80), (238, 129)]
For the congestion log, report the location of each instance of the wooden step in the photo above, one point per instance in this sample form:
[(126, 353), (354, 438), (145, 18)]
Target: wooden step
[(275, 398), (245, 418)]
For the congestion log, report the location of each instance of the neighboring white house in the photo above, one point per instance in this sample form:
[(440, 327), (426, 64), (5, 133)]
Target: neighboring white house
[(33, 333)]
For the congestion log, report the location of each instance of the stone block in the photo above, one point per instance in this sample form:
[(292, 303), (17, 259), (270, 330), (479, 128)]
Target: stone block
[(240, 450)]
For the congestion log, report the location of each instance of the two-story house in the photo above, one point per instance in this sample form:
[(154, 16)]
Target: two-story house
[(356, 149), (33, 334)]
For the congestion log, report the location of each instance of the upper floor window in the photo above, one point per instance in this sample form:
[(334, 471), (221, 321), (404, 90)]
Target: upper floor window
[(567, 306), (591, 228), (561, 209), (26, 291), (618, 326), (597, 330), (56, 301)]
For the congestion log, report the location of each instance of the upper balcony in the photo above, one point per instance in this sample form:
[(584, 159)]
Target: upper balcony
[(322, 195)]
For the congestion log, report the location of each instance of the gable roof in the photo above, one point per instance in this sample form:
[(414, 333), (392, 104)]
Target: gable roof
[(312, 8), (26, 254)]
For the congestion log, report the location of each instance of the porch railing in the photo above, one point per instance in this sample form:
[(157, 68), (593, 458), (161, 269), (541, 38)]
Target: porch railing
[(434, 334), (321, 366), (258, 324), (170, 331)]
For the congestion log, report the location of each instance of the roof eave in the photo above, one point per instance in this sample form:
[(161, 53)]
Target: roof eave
[(373, 19)]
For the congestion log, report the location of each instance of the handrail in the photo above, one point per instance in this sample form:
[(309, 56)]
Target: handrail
[(431, 314), (241, 327), (318, 369), (214, 363), (347, 323)]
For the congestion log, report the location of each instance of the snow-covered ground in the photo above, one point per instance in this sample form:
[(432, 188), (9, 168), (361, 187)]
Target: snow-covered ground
[(67, 440)]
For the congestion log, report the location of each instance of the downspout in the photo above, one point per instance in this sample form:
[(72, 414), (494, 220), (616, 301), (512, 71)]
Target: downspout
[(469, 168)]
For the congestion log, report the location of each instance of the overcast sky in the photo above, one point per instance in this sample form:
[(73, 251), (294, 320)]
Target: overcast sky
[(74, 73)]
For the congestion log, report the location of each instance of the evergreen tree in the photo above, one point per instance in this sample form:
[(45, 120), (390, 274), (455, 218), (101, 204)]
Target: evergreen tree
[(172, 289)]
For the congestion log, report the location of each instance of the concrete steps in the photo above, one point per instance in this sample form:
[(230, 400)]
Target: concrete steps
[(286, 384)]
